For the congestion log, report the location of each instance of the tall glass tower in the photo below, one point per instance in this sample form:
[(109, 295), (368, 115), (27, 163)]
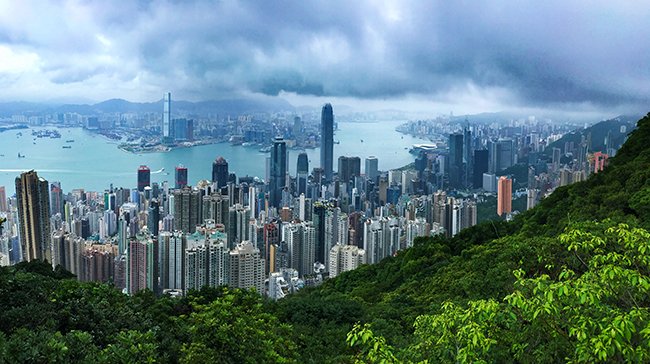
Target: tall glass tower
[(167, 109), (220, 172), (302, 172), (327, 141), (278, 171)]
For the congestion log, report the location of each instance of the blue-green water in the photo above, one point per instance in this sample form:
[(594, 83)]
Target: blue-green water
[(94, 162)]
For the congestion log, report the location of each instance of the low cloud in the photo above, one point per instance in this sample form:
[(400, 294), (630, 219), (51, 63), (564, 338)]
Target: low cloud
[(535, 55)]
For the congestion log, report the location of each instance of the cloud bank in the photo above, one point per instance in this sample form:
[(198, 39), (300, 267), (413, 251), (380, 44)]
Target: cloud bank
[(523, 53)]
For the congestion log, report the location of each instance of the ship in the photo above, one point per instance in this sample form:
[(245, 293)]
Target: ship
[(67, 147), (70, 141)]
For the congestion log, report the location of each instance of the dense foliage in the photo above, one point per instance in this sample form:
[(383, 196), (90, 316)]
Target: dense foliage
[(47, 317), (566, 281)]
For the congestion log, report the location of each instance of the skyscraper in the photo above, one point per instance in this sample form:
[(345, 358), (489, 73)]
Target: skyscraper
[(455, 160), (3, 199), (56, 199), (302, 172), (142, 263), (348, 168), (278, 171), (187, 209), (34, 216), (480, 167), (166, 126), (144, 177), (181, 176), (220, 172), (372, 168), (327, 141), (247, 267), (504, 196)]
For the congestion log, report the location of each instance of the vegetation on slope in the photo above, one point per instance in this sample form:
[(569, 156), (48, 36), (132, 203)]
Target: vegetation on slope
[(566, 281)]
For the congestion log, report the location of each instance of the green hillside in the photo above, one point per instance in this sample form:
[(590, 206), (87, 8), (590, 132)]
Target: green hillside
[(566, 281), (477, 264)]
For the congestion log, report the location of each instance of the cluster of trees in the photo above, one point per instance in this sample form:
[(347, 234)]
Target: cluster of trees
[(566, 281), (47, 317)]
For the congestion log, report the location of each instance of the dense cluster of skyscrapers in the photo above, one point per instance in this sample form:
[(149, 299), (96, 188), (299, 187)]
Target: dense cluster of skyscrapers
[(276, 235)]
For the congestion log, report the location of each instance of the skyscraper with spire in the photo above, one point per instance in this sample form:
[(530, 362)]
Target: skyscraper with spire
[(327, 141)]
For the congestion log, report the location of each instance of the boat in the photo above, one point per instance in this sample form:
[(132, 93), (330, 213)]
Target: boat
[(21, 155), (70, 141), (265, 150), (67, 147)]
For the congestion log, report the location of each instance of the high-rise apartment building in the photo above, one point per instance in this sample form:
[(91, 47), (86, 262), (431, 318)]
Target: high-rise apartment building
[(34, 216), (187, 209), (247, 267), (504, 196), (327, 141), (142, 263), (56, 199), (343, 258), (172, 249)]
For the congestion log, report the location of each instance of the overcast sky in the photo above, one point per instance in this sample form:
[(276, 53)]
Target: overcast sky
[(461, 56)]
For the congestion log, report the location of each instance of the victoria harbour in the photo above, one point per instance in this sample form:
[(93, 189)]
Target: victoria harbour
[(93, 162)]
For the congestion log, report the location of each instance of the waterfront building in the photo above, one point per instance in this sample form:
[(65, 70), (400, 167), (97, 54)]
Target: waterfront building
[(220, 172), (144, 177), (166, 119), (180, 176)]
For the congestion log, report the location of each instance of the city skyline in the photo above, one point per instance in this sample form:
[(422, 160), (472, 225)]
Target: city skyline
[(432, 56)]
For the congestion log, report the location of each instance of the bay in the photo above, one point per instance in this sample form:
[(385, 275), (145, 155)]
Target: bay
[(94, 162)]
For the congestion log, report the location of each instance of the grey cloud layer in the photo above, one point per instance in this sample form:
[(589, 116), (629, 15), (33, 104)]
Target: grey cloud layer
[(553, 53)]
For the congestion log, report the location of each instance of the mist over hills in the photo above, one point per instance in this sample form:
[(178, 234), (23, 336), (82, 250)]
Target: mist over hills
[(222, 106)]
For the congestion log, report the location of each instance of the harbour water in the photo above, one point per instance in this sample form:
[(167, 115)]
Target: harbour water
[(93, 162)]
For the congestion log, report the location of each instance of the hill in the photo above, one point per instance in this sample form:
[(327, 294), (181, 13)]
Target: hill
[(617, 129), (211, 107), (477, 264), (566, 281)]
